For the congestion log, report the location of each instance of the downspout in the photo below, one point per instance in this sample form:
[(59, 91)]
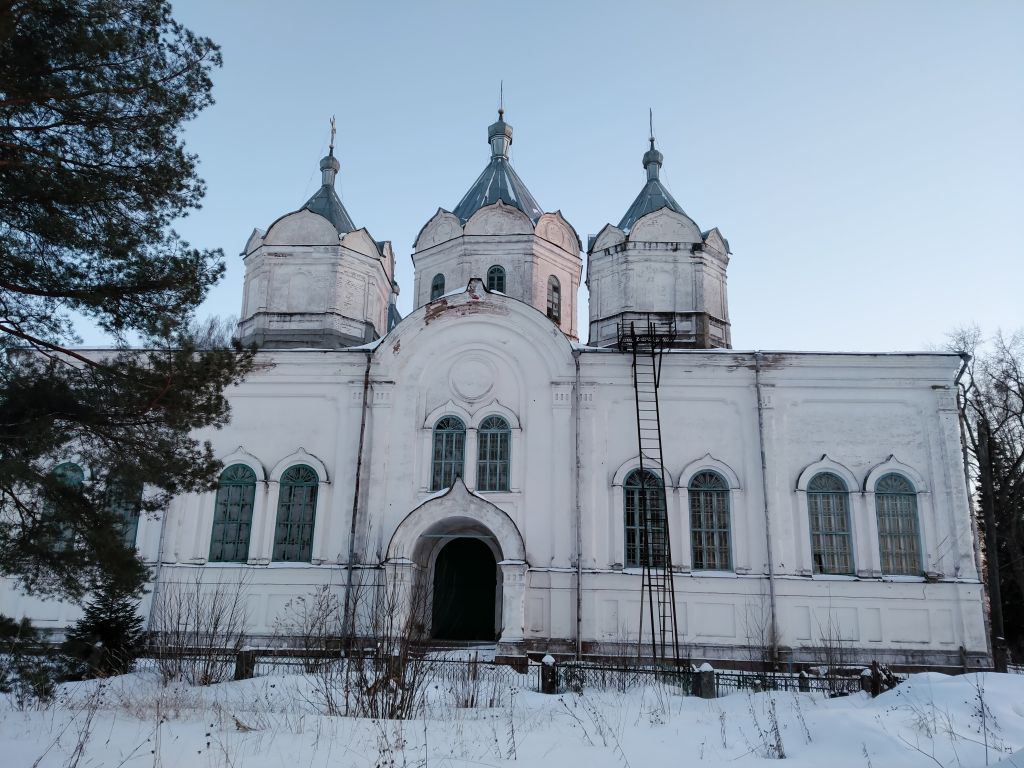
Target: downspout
[(355, 498), (774, 638), (579, 515)]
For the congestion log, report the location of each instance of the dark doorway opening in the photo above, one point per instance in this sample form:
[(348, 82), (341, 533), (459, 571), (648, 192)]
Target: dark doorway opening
[(465, 578)]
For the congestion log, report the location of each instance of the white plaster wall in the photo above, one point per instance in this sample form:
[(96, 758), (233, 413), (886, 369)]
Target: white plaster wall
[(479, 353)]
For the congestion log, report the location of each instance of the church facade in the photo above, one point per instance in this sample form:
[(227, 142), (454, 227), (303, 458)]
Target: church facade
[(478, 449)]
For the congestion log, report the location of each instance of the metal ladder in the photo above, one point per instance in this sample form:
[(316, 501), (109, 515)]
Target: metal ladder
[(657, 599)]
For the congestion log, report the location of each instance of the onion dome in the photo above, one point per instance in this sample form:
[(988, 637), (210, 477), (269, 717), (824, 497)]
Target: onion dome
[(653, 196), (326, 201), (498, 181)]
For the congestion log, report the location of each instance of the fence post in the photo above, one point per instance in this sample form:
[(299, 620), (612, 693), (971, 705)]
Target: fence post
[(706, 682), (865, 680), (245, 664), (548, 675), (804, 682)]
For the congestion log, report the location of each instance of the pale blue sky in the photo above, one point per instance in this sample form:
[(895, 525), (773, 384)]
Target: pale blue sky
[(864, 159)]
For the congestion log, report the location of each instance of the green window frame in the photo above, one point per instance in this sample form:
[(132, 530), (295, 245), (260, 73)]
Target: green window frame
[(645, 520), (494, 445), (296, 515), (496, 278), (124, 501), (554, 299), (437, 287), (449, 452), (899, 531), (828, 509), (72, 476), (710, 524), (232, 515)]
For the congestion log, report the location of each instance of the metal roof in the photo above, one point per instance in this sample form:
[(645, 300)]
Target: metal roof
[(326, 201), (653, 196), (499, 181)]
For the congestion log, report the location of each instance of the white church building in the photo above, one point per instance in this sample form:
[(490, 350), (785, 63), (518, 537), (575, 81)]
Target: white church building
[(480, 448)]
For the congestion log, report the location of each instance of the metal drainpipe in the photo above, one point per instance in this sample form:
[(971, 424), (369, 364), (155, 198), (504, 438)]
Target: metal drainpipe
[(355, 497), (579, 516), (767, 515)]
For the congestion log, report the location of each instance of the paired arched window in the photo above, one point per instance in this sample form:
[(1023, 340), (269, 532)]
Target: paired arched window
[(554, 299), (899, 539), (710, 539), (496, 278), (232, 515), (828, 506), (494, 440), (449, 452), (437, 287), (296, 515), (645, 520), (124, 500)]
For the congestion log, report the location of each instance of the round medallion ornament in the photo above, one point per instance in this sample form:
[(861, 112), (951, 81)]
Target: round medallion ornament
[(472, 378)]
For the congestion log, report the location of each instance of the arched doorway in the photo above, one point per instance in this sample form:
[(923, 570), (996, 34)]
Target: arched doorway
[(465, 580)]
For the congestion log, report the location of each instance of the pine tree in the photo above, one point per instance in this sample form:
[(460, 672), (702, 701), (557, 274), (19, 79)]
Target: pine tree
[(107, 639), (93, 98)]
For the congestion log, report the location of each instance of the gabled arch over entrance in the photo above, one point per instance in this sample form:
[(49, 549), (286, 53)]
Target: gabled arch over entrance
[(456, 513)]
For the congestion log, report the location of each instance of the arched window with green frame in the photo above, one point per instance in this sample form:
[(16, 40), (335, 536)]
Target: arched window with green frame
[(645, 520), (232, 515), (899, 533), (449, 452), (71, 478), (296, 515), (828, 509), (494, 440), (710, 529), (496, 278)]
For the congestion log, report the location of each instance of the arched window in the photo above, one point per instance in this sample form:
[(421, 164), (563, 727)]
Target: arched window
[(492, 458), (232, 515), (62, 535), (828, 506), (899, 539), (709, 522), (296, 514), (449, 452), (644, 504), (496, 278), (437, 287), (124, 501), (554, 299)]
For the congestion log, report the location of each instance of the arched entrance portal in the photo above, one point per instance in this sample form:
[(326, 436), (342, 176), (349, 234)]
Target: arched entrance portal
[(465, 579)]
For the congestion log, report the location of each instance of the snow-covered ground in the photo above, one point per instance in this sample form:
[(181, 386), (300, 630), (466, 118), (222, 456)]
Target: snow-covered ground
[(276, 722)]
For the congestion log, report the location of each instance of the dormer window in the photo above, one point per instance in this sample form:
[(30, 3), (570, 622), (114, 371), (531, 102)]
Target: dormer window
[(437, 287), (554, 299), (496, 279)]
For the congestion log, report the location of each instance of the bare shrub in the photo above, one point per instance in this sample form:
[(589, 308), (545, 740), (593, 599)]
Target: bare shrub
[(312, 624), (198, 628)]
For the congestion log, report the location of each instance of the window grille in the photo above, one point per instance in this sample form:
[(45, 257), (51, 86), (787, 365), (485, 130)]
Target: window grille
[(232, 515), (828, 506), (437, 287), (710, 538), (636, 489), (554, 299), (899, 538), (496, 279), (449, 452), (493, 449), (296, 513), (124, 500)]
